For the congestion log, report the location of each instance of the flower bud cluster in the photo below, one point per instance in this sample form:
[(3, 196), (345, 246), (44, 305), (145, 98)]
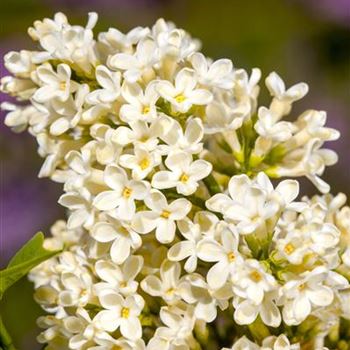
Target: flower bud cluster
[(175, 237)]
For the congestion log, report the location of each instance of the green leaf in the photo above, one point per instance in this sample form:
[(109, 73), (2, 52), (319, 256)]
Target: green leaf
[(29, 256)]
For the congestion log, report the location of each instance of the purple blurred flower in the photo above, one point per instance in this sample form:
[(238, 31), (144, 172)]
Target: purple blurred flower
[(335, 10), (28, 204)]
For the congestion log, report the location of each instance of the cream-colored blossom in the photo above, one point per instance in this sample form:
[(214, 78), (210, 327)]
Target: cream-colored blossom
[(174, 231)]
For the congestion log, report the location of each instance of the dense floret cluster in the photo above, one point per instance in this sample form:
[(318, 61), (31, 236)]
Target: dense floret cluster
[(176, 238)]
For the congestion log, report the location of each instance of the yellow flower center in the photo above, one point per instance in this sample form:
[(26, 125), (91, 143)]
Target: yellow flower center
[(302, 287), (144, 163), (231, 257), (117, 347), (180, 98), (289, 248), (127, 192), (125, 312), (123, 231), (255, 276), (165, 214), (122, 284), (184, 178), (146, 110), (170, 292), (255, 219), (63, 85), (144, 138)]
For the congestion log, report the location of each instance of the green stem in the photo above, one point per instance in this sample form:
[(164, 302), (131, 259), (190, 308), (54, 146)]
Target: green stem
[(253, 245), (5, 338), (212, 185), (198, 202), (258, 330)]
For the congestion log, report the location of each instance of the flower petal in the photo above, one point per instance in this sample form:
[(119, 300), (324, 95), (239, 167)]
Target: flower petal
[(106, 200), (108, 320), (156, 201), (322, 296), (210, 250), (206, 312), (108, 271), (200, 97), (170, 273), (288, 189), (165, 231), (104, 232), (180, 251), (131, 328), (185, 80), (270, 314), (144, 221), (246, 313), (301, 308), (164, 179), (115, 177), (179, 208), (218, 274), (120, 250), (152, 285), (110, 300)]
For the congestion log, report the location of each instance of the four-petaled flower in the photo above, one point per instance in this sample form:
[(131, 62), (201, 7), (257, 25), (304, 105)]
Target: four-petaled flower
[(161, 217), (123, 194), (121, 313), (183, 94), (184, 173)]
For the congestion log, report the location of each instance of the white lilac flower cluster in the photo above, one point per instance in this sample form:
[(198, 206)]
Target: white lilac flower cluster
[(176, 238)]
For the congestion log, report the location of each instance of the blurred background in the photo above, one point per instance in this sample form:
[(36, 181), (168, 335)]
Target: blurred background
[(303, 40)]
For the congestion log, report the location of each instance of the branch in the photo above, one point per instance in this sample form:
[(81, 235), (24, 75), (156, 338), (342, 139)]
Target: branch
[(5, 339)]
